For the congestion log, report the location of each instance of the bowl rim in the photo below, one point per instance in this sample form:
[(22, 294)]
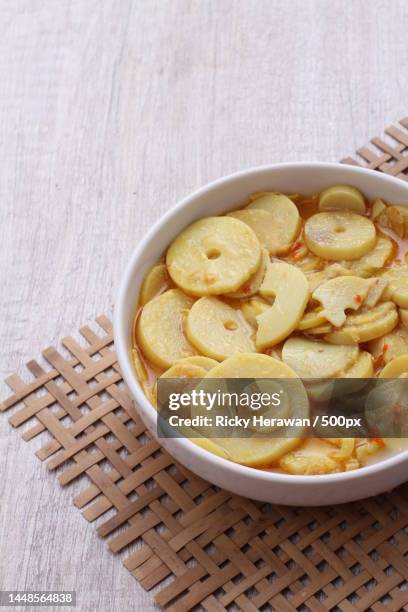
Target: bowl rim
[(129, 375)]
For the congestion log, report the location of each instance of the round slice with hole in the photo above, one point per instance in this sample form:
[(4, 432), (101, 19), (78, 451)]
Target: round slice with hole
[(272, 234), (310, 359), (339, 235), (217, 330), (156, 281), (160, 328), (342, 197), (251, 286), (366, 325), (291, 290), (214, 255)]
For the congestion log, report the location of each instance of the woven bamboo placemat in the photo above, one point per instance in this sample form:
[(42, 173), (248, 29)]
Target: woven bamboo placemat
[(203, 547)]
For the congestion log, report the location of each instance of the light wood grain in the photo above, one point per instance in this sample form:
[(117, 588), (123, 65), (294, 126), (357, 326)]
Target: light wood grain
[(111, 111)]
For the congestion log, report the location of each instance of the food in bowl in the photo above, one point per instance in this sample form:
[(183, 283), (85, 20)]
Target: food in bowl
[(287, 285)]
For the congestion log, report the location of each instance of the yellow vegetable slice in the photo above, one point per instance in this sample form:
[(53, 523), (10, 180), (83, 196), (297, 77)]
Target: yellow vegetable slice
[(356, 373), (283, 316), (272, 234), (160, 326), (391, 345), (395, 218), (362, 368), (251, 286), (284, 212), (321, 329), (254, 307), (397, 289), (395, 368), (342, 197), (340, 294), (214, 255), (366, 325), (339, 235), (217, 330), (199, 360), (331, 271), (315, 318), (305, 259), (156, 281), (377, 208), (403, 312), (196, 366), (376, 291), (302, 464), (251, 365), (260, 451), (257, 452), (374, 260), (310, 359)]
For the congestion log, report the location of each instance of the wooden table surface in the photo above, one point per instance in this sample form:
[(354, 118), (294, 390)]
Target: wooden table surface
[(110, 112)]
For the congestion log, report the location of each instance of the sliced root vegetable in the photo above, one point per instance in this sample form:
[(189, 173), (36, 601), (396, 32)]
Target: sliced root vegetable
[(342, 197), (311, 319), (304, 259), (339, 235), (310, 359), (214, 255), (391, 345), (352, 380), (251, 286), (331, 271), (396, 219), (340, 294), (217, 330), (362, 368), (403, 312), (374, 260), (254, 307), (252, 365), (397, 289), (326, 328), (272, 235), (262, 451), (257, 452), (366, 325), (299, 463), (378, 207), (196, 366), (285, 215), (376, 291), (395, 368), (160, 328), (156, 281), (276, 323)]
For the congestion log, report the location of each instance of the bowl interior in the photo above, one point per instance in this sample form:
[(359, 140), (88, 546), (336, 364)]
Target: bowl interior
[(219, 197)]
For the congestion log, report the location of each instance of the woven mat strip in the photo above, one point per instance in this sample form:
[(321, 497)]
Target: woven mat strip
[(203, 547), (388, 154)]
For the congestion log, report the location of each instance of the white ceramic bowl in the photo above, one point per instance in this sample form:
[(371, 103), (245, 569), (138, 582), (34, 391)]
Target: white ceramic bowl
[(219, 197)]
